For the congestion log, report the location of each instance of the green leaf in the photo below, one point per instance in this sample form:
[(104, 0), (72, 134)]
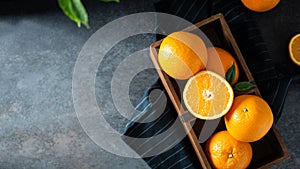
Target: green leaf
[(244, 86), (75, 10), (230, 74), (110, 1)]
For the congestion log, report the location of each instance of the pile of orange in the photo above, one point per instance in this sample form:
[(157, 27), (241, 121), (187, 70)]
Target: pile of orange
[(208, 94), (248, 120)]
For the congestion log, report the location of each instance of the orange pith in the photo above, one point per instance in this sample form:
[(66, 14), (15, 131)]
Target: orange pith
[(207, 95)]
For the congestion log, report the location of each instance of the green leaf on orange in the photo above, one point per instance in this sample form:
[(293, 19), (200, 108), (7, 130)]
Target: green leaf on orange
[(230, 74), (244, 86)]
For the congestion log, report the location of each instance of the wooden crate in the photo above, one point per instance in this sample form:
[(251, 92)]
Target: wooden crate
[(268, 151)]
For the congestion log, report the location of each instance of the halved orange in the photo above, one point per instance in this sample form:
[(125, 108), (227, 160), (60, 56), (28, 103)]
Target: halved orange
[(207, 95), (294, 49)]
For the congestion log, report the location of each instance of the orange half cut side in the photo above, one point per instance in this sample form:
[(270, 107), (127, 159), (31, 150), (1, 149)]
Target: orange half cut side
[(294, 49), (207, 95)]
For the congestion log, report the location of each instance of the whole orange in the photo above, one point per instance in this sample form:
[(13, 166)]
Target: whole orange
[(223, 151), (249, 118), (220, 61), (182, 54), (260, 5)]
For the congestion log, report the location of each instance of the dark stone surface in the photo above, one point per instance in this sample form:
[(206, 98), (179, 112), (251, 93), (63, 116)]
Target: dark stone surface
[(38, 51)]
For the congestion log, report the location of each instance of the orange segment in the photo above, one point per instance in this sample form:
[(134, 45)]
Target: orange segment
[(207, 95), (224, 151), (294, 49), (260, 5)]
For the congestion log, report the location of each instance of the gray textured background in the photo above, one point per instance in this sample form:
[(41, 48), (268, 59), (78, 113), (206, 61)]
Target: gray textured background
[(38, 124)]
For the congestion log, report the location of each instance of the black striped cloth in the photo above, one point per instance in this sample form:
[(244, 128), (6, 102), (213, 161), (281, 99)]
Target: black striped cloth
[(272, 83), (180, 155)]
